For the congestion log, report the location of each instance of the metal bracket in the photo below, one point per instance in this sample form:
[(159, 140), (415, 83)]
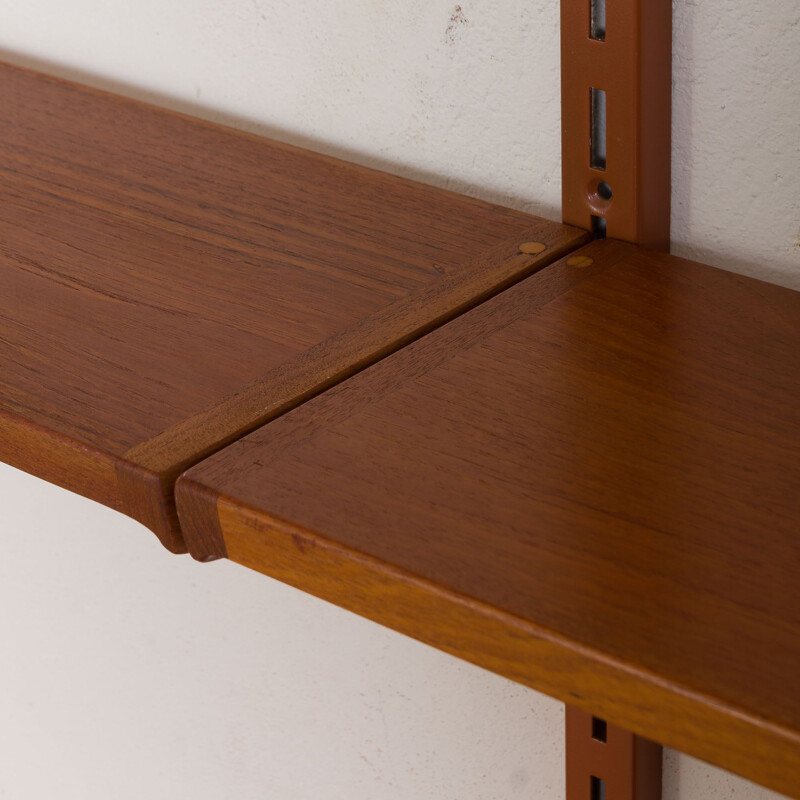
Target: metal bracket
[(616, 117), (616, 79), (604, 761)]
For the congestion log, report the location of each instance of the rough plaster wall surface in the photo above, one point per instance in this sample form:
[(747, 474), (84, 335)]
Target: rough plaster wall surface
[(134, 674), (736, 136)]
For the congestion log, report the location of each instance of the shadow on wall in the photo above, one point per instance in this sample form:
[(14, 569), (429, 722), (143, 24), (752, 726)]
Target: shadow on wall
[(257, 128), (741, 266)]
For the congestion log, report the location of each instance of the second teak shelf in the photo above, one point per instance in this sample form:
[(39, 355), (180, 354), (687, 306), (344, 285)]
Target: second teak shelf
[(167, 284), (589, 484)]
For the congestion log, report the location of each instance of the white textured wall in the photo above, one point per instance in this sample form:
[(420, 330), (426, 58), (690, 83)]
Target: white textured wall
[(244, 688), (736, 136)]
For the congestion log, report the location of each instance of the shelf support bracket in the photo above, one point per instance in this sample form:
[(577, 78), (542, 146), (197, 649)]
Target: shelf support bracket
[(616, 77), (616, 110), (605, 762)]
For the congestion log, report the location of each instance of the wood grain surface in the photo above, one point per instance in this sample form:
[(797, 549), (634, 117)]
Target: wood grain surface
[(589, 484), (168, 283)]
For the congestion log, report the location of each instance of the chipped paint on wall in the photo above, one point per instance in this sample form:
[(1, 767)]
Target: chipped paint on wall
[(457, 21)]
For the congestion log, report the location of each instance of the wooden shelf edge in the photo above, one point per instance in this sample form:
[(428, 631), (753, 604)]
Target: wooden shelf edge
[(60, 460), (624, 694)]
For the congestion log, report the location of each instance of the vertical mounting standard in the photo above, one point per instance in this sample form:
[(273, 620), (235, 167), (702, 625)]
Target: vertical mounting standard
[(616, 79), (605, 762), (616, 116)]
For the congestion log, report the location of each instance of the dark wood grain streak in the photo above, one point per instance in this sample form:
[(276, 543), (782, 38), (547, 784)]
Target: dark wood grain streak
[(589, 484), (167, 283)]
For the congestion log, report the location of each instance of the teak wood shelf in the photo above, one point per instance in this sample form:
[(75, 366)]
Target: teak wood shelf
[(167, 284), (589, 484)]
